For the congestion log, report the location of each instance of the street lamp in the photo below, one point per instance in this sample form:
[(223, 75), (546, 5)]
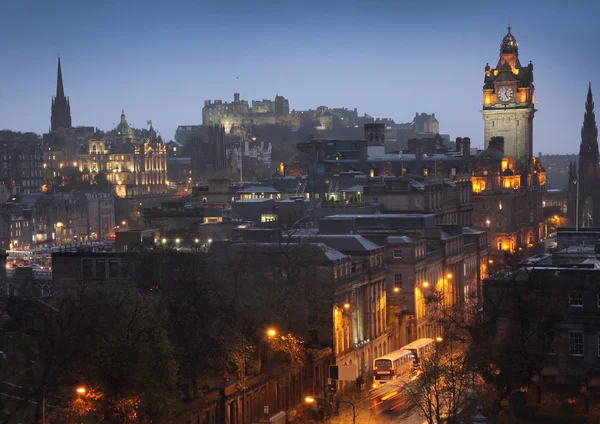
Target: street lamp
[(425, 283), (346, 306), (439, 339), (311, 399), (449, 276), (81, 390), (271, 332)]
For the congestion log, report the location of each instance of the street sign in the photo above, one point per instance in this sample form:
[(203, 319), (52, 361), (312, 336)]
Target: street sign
[(343, 372)]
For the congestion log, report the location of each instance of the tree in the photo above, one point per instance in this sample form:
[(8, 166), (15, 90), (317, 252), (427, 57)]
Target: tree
[(443, 384), (507, 334)]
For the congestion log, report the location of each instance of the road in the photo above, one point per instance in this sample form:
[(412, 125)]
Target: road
[(372, 410)]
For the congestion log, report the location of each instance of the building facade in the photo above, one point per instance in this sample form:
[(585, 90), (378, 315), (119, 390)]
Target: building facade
[(134, 166)]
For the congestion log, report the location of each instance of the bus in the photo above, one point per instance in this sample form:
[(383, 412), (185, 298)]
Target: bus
[(418, 349), (400, 363), (391, 366)]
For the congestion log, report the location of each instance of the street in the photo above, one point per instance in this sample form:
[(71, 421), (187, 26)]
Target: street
[(371, 409)]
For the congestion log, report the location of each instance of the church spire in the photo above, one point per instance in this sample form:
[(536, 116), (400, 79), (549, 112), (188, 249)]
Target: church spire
[(61, 110), (60, 91)]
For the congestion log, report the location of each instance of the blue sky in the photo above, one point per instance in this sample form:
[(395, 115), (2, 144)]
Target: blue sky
[(161, 60)]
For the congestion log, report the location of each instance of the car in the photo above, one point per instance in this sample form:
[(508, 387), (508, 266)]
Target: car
[(36, 266)]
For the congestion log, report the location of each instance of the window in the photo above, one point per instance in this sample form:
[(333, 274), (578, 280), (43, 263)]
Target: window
[(417, 201), (576, 299), (576, 344), (397, 254), (398, 280), (500, 244), (87, 268), (100, 268), (113, 268), (598, 344)]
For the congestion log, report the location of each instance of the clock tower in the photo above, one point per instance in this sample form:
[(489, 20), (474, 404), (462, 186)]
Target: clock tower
[(508, 102)]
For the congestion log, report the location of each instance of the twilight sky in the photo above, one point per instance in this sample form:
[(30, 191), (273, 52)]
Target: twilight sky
[(388, 58)]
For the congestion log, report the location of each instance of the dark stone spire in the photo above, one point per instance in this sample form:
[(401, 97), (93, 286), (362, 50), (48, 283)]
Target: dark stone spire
[(589, 128), (60, 91), (61, 109), (588, 150)]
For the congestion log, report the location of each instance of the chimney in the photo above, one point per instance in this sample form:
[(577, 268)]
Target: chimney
[(466, 149), (418, 152), (459, 142), (497, 143)]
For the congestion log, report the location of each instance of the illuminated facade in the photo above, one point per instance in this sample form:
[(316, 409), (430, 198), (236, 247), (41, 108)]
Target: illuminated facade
[(133, 166), (508, 182)]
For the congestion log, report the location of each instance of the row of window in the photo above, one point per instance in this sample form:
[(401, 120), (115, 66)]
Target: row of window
[(577, 344), (576, 300)]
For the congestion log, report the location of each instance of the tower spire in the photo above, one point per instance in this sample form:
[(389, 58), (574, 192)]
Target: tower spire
[(589, 131), (60, 91), (61, 109)]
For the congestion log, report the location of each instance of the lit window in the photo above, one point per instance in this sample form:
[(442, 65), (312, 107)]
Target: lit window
[(576, 300), (576, 344), (397, 254), (268, 218)]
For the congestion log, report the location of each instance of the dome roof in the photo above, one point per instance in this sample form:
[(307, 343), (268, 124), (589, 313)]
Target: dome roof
[(509, 44), (123, 129), (490, 154)]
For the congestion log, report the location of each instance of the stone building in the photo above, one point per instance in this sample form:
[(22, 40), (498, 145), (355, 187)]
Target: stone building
[(508, 199), (101, 215), (21, 162), (566, 281), (450, 200), (208, 152), (509, 102), (133, 166), (238, 113), (420, 257)]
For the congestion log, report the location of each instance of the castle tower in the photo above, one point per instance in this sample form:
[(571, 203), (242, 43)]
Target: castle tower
[(61, 109), (508, 102)]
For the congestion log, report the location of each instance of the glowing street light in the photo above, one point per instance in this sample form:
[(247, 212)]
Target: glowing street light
[(271, 332), (425, 283), (81, 390), (312, 399), (396, 289), (209, 241), (196, 240), (449, 276), (164, 241), (438, 339), (346, 306), (177, 240)]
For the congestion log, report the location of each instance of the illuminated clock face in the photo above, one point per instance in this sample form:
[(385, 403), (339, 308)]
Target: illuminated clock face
[(505, 94)]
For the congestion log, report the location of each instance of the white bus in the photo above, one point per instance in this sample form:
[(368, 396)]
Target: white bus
[(400, 363)]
